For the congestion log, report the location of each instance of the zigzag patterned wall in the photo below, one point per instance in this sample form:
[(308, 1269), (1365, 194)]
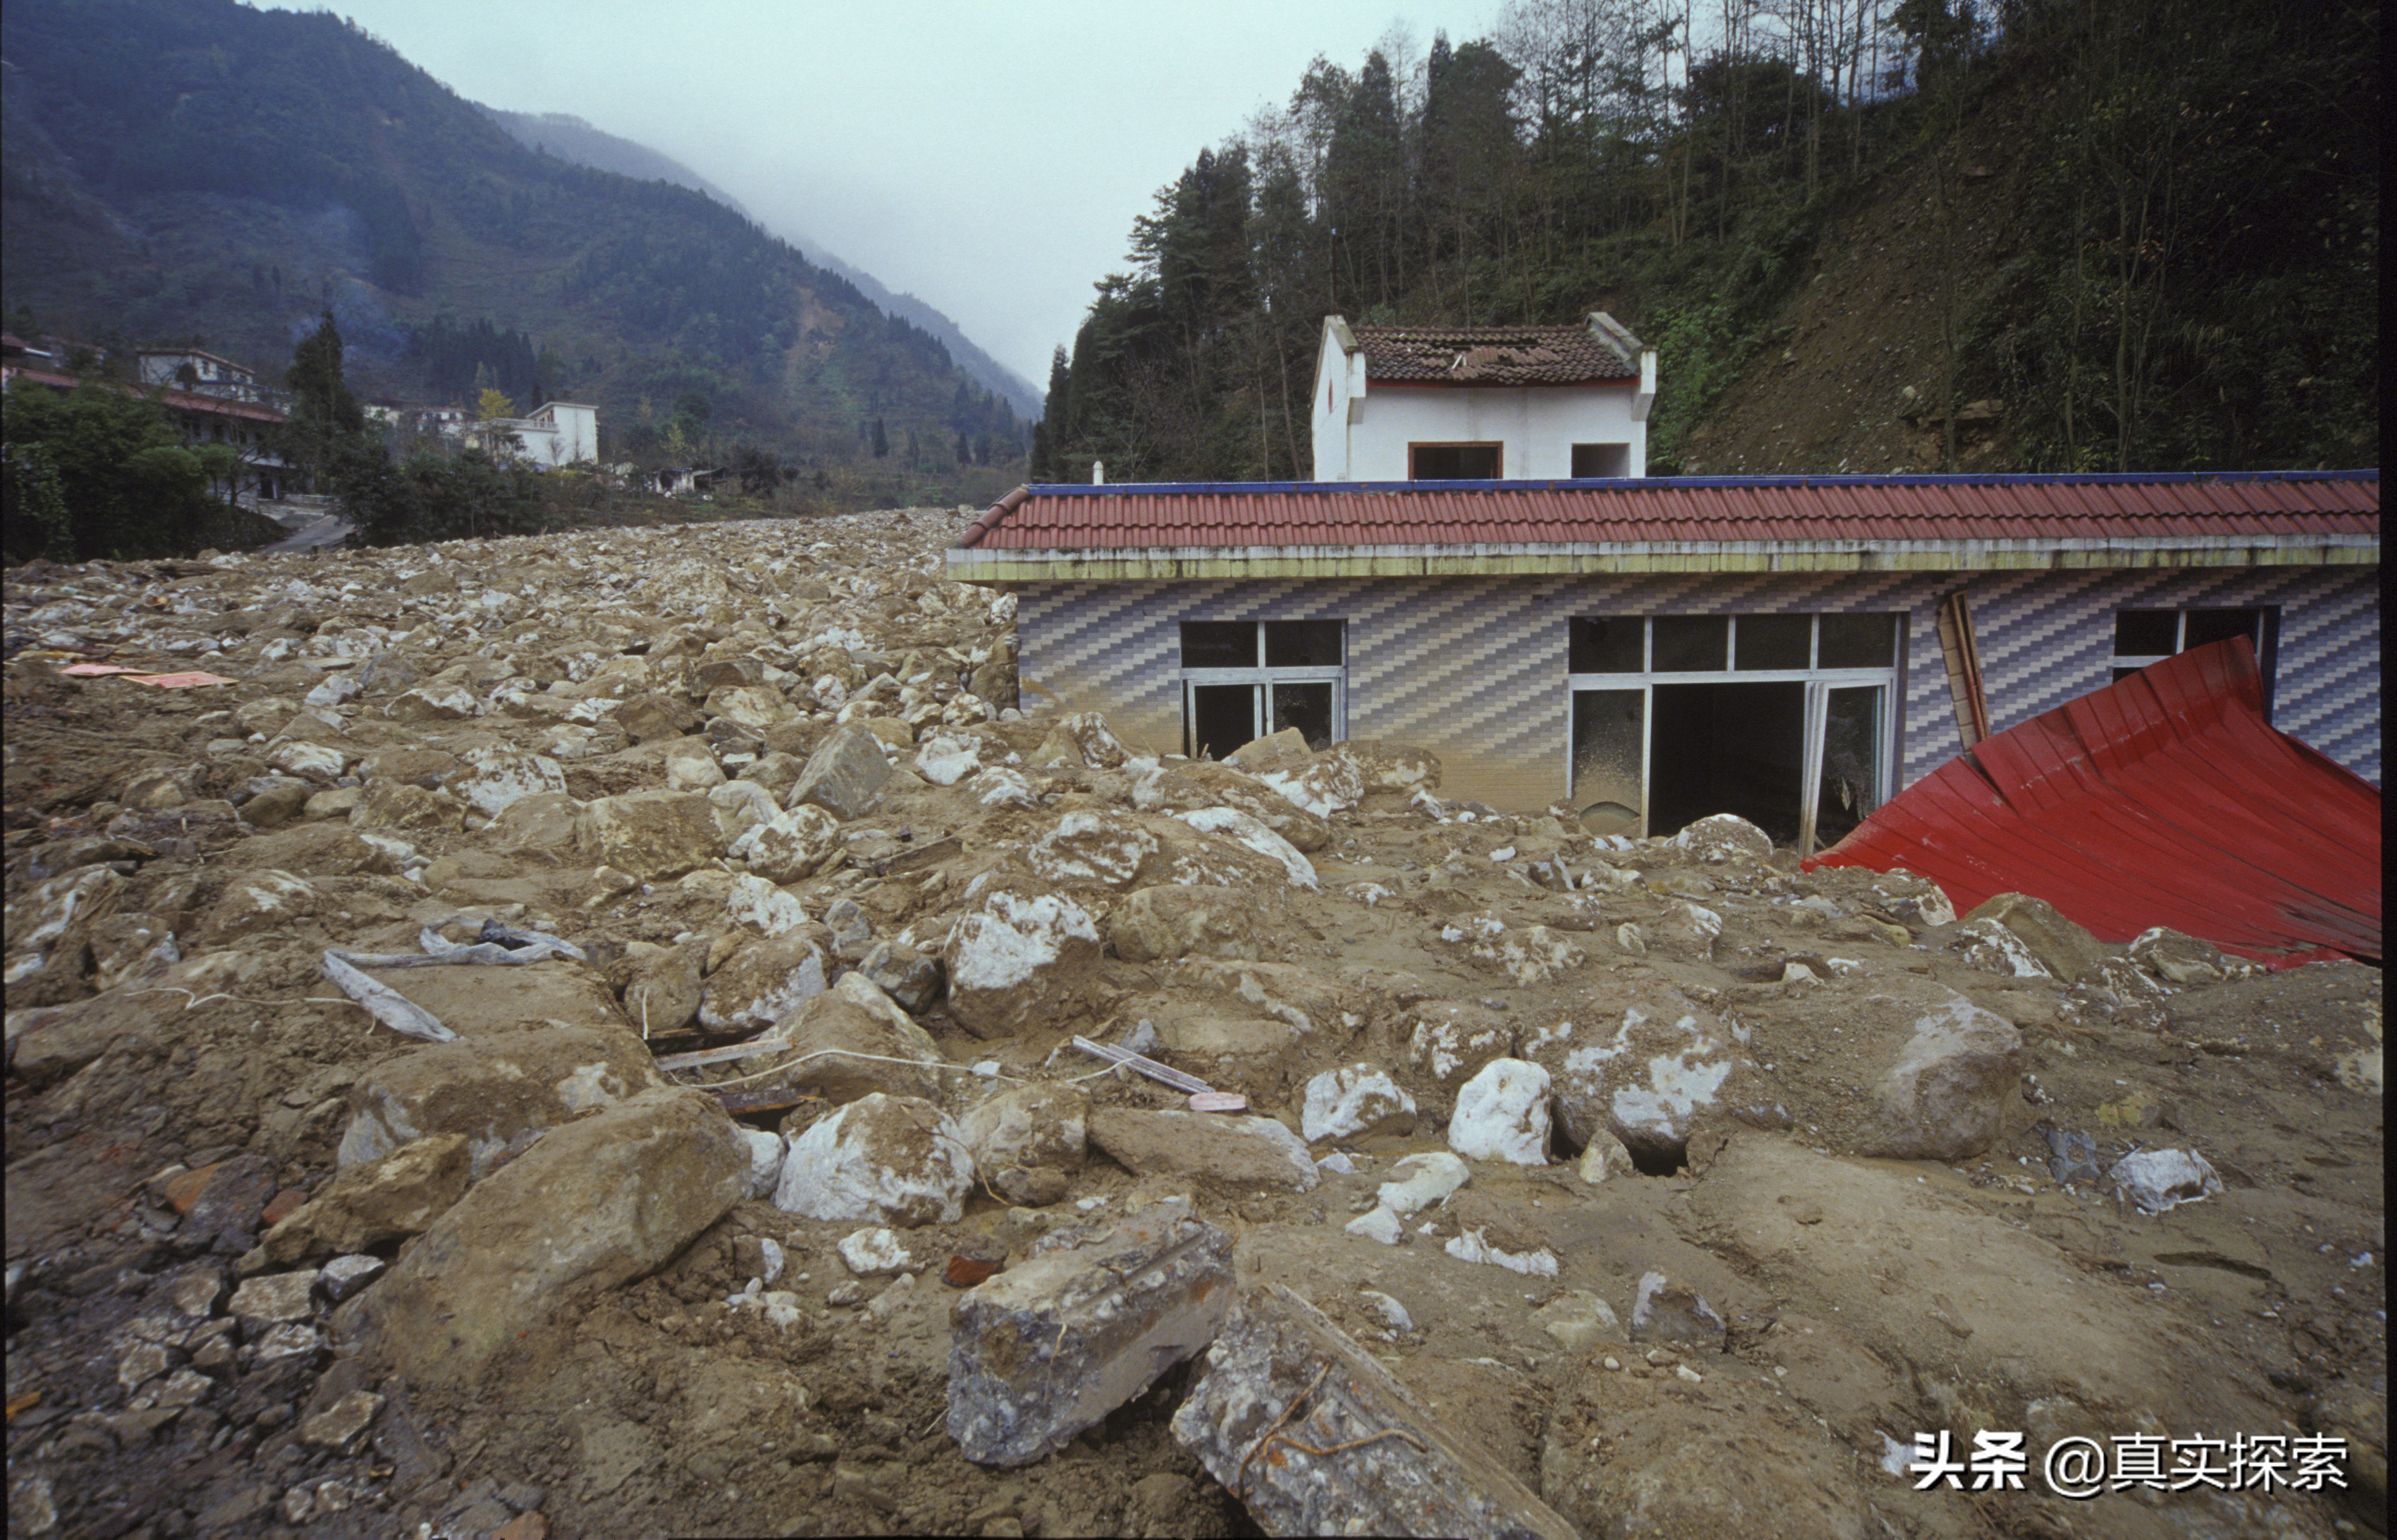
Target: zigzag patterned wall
[(1474, 668)]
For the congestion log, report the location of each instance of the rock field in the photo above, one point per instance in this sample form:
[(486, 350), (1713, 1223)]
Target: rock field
[(578, 1038)]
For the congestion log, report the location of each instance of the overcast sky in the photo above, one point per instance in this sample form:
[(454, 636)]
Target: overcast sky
[(988, 158)]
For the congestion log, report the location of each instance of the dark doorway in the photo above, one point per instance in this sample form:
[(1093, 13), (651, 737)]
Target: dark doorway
[(1221, 718), (1737, 748), (1453, 463)]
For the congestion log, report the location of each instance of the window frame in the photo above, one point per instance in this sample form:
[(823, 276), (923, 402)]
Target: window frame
[(1497, 445), (2118, 665), (1819, 682), (1262, 678)]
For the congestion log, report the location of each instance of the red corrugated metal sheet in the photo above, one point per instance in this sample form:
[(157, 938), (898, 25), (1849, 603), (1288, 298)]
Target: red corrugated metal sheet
[(1150, 515), (2164, 799)]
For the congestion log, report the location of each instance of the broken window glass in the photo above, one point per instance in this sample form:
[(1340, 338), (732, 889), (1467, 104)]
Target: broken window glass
[(1306, 707), (1688, 642), (2146, 633), (1605, 644), (1219, 644), (1606, 746), (1774, 641), (1221, 718), (1858, 641), (1851, 782), (1302, 644)]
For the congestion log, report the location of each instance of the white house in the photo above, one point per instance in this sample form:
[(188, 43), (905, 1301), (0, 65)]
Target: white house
[(1482, 403), (557, 433)]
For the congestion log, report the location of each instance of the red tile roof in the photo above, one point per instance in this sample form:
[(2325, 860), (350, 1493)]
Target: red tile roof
[(1157, 515), (181, 400), (2164, 799), (1491, 355)]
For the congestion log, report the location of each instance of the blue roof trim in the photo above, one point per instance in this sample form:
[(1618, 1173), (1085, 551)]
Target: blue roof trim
[(2109, 478)]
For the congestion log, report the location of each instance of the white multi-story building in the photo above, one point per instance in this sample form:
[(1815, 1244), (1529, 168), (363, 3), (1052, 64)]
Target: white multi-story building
[(1482, 403), (557, 432)]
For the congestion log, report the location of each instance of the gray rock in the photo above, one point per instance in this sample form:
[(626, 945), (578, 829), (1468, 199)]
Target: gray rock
[(844, 776), (1225, 1151), (275, 1299), (345, 1275), (1665, 1310), (2178, 958), (1947, 1095), (1028, 1126), (1280, 1371), (903, 973), (2062, 947), (650, 834), (1049, 1346), (890, 1159), (2072, 1156), (764, 981)]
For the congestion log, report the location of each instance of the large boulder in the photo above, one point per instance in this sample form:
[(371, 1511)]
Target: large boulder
[(1946, 1096), (1022, 958), (844, 776), (843, 1041), (895, 1160), (651, 834), (2066, 950), (792, 845), (765, 981), (1725, 836), (1161, 924), (374, 1201), (1644, 1062), (1082, 739), (495, 779), (1230, 1153), (592, 1206), (1502, 1114), (500, 1090), (1088, 849), (1029, 1126)]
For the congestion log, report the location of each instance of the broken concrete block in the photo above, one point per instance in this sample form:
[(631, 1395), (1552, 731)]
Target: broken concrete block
[(593, 1205), (1315, 1437), (2154, 1180), (844, 776), (1225, 1151), (792, 845), (892, 1159), (1357, 1099), (1048, 1348), (1502, 1114), (856, 1029)]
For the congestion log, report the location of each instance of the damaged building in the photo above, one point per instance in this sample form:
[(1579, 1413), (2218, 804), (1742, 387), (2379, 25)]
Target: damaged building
[(1793, 650)]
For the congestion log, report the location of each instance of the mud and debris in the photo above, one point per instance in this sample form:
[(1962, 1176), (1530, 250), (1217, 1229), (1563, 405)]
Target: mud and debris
[(1628, 1186)]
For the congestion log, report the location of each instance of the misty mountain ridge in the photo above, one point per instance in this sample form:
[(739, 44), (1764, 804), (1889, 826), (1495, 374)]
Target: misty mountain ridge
[(198, 171), (573, 139)]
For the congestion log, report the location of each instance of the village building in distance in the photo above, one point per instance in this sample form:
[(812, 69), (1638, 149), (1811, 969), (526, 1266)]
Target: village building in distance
[(210, 399), (1483, 570)]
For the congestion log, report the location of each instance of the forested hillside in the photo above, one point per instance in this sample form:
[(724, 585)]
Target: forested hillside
[(569, 137), (1864, 234), (196, 169)]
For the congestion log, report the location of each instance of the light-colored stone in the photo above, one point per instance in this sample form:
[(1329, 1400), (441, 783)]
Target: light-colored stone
[(1023, 957), (1578, 1321), (1227, 1152), (652, 835), (764, 980), (841, 1042), (2063, 948), (1947, 1095), (889, 1159), (1357, 1099), (2176, 959), (1162, 923), (1502, 1114), (501, 1090), (1029, 1126), (372, 1201), (1725, 836), (2155, 1180), (876, 1253), (274, 1298), (492, 780), (1665, 1310), (1417, 1182)]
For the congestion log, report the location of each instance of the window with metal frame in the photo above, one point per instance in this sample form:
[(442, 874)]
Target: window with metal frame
[(2145, 636), (1485, 461), (1244, 679), (1788, 720)]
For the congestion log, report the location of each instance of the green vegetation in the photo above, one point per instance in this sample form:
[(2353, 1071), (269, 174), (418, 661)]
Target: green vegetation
[(197, 167), (102, 473), (2191, 282)]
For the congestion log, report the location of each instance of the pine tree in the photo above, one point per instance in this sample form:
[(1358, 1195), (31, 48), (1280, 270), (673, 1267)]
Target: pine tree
[(881, 441), (325, 417)]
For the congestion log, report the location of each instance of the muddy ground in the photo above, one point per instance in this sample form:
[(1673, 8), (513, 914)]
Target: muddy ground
[(538, 731)]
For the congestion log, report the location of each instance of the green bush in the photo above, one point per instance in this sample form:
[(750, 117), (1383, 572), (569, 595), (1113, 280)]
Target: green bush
[(99, 472)]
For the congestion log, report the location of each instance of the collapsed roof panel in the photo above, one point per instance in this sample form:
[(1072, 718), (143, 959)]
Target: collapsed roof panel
[(2162, 799)]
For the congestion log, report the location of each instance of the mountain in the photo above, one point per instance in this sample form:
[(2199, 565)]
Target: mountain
[(569, 137), (199, 171)]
